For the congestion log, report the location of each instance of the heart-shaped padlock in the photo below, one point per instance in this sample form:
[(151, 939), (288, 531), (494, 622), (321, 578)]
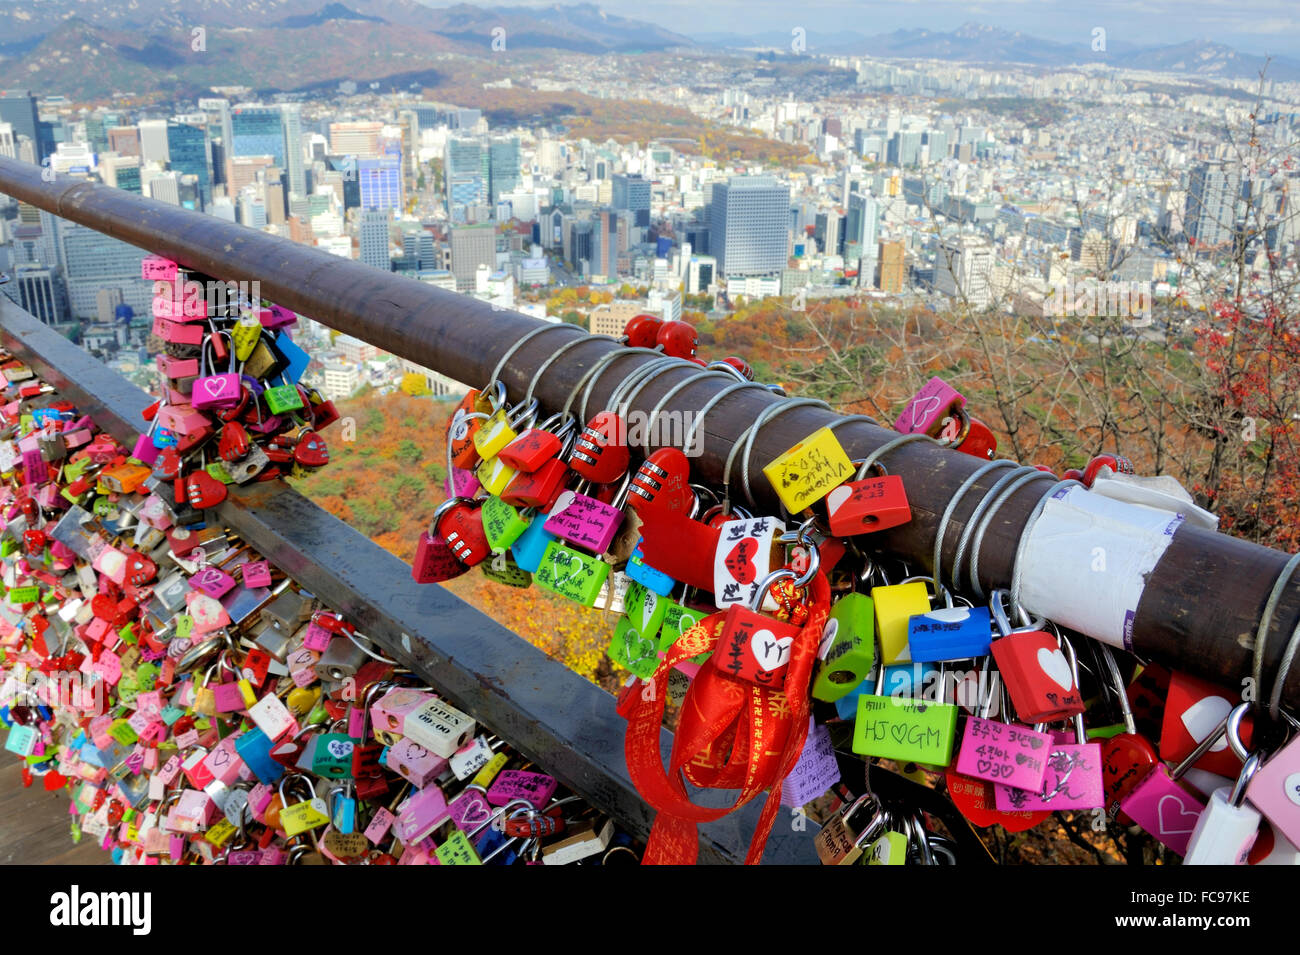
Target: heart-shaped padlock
[(662, 483), (34, 540), (168, 464), (202, 490), (235, 443), (462, 528), (140, 569), (311, 451)]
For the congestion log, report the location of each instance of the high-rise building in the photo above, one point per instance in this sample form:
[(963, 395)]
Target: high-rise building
[(124, 140), (861, 227), (964, 269), (467, 172), (472, 246), (91, 261), (190, 155), (750, 226), (380, 182), (1213, 194), (153, 141), (604, 260), (246, 170), (904, 148), (39, 291), (503, 167), (18, 109), (356, 139), (937, 140), (891, 267), (165, 187), (829, 232), (633, 194), (373, 235), (258, 131), (418, 247), (293, 164), (8, 146), (219, 124)]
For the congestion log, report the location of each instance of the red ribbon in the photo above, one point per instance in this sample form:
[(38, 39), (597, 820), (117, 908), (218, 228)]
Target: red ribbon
[(733, 734)]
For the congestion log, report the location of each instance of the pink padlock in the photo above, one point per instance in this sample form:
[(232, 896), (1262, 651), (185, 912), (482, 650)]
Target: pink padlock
[(213, 581), (536, 788), (389, 713), (155, 268), (463, 483), (316, 637), (414, 763), (224, 762), (215, 390), (1014, 756), (924, 414), (1275, 790), (585, 522), (178, 333), (182, 419), (277, 316), (229, 698), (423, 813), (1166, 810), (470, 809), (1071, 780)]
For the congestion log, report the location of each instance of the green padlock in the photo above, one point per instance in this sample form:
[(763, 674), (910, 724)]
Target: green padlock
[(889, 849), (218, 472), (678, 618), (283, 398), (502, 523), (644, 609), (102, 506), (633, 652), (333, 755), (848, 648), (504, 570), (904, 729), (571, 573)]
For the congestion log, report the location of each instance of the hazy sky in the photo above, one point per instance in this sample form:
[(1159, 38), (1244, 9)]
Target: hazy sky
[(1255, 26)]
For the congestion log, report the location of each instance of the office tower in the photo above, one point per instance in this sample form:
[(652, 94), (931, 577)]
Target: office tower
[(39, 291), (124, 140), (246, 170), (165, 187), (828, 232), (750, 226), (273, 197), (218, 111), (633, 194), (356, 139), (605, 243), (472, 246), (373, 234), (8, 146), (890, 255), (964, 269), (1213, 194), (937, 140), (258, 131), (861, 227), (581, 241), (153, 140), (91, 261), (252, 209), (904, 149), (293, 164), (418, 247), (467, 172), (380, 182), (126, 174), (18, 109), (107, 303), (503, 167), (190, 155)]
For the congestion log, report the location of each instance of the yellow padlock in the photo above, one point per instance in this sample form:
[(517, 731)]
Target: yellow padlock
[(809, 471), (301, 699), (494, 474), (246, 334), (493, 435), (895, 604)]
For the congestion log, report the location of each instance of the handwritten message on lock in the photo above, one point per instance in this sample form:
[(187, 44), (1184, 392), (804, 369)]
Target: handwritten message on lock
[(1001, 753), (809, 471), (816, 770), (583, 521), (536, 788), (743, 559), (1071, 780), (906, 730)]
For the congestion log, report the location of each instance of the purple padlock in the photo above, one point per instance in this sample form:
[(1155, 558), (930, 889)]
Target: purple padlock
[(423, 813), (214, 582), (215, 390)]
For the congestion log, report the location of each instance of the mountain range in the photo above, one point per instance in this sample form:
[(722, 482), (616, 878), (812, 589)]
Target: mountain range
[(89, 50)]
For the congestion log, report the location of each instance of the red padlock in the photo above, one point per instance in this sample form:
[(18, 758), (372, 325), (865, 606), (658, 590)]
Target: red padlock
[(534, 447), (461, 526), (680, 547), (742, 366), (538, 488), (234, 443), (679, 339), (168, 464), (867, 504), (642, 331), (34, 541), (203, 491), (1116, 463), (1194, 708), (139, 570), (601, 454), (1039, 671), (662, 482), (311, 451), (968, 435), (754, 646)]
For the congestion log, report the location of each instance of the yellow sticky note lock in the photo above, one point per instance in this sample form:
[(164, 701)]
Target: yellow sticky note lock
[(810, 470), (895, 604), (219, 832), (303, 816)]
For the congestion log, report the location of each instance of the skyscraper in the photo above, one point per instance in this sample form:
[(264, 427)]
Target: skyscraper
[(750, 226), (862, 224), (891, 267), (258, 131), (355, 139), (1213, 193), (964, 269), (124, 140), (374, 238), (8, 146), (381, 183), (91, 261), (39, 291), (190, 155), (503, 167), (905, 149), (472, 246), (18, 108), (154, 141), (633, 193), (293, 164), (829, 232), (466, 171)]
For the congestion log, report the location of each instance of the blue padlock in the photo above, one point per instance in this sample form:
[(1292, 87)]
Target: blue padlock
[(529, 547), (297, 358), (950, 633), (643, 573), (254, 748)]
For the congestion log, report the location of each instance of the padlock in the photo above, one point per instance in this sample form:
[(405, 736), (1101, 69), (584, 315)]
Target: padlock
[(905, 730), (1194, 709), (341, 660), (332, 757), (283, 398), (1275, 790), (439, 727), (891, 845), (838, 842), (1036, 669), (601, 454), (680, 547), (463, 426), (643, 573), (1126, 757), (414, 763), (537, 445), (461, 526), (1071, 778), (388, 715), (678, 339), (1228, 827), (847, 650), (968, 435), (537, 489), (584, 521), (494, 475), (1014, 756), (570, 573), (1166, 810), (895, 605), (202, 491), (642, 331), (502, 524), (662, 483), (234, 443), (502, 427), (867, 504), (949, 633), (925, 412), (753, 646), (634, 651), (305, 815), (215, 390)]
